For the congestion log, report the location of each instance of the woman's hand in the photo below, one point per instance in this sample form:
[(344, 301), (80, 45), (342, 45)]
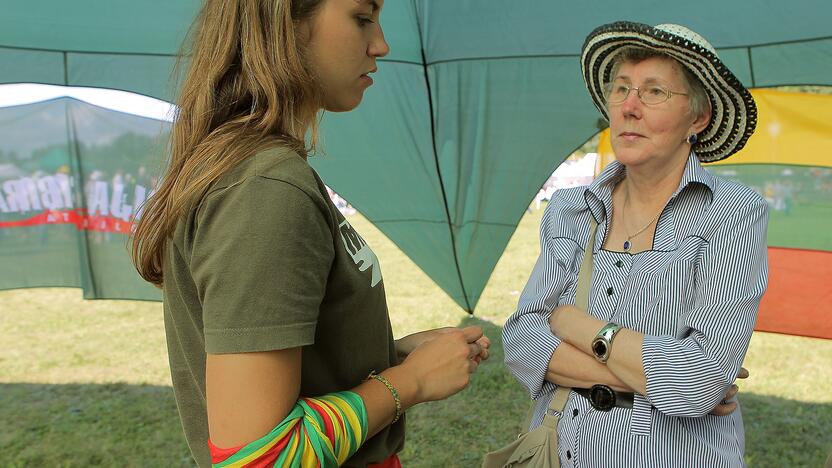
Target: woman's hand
[(442, 363), (726, 407), (406, 345), (438, 364)]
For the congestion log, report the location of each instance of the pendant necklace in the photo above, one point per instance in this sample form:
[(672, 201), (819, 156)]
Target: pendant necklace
[(627, 244)]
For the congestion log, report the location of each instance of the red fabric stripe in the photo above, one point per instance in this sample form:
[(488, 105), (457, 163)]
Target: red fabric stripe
[(798, 300), (78, 217), (267, 459), (392, 462), (329, 430), (219, 455), (338, 419)]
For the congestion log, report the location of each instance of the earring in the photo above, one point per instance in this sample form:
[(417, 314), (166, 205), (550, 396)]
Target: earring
[(692, 139)]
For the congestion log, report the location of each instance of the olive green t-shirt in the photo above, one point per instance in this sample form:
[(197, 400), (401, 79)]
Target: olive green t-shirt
[(266, 262)]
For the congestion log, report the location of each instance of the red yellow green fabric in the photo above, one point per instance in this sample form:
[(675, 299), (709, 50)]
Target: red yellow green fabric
[(318, 432)]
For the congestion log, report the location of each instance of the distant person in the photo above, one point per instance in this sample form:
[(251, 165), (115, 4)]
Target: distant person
[(538, 199)]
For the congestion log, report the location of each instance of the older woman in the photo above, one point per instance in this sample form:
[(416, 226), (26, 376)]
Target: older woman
[(679, 264)]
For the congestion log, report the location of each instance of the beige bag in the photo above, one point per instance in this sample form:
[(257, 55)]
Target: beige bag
[(538, 448)]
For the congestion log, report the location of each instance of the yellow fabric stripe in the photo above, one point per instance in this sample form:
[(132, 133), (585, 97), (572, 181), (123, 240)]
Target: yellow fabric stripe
[(340, 450), (255, 455), (792, 128), (292, 448), (310, 460), (320, 429), (351, 418)]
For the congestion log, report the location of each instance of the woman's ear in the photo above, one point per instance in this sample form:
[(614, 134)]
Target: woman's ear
[(303, 31), (702, 121)]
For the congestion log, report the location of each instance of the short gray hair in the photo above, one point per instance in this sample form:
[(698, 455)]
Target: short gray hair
[(699, 101)]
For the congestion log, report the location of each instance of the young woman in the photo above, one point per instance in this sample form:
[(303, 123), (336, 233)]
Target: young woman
[(280, 345)]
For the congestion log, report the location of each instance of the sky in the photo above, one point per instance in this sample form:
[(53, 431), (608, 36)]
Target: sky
[(17, 94)]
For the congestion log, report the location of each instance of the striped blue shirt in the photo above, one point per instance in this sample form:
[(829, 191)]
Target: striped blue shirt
[(694, 295)]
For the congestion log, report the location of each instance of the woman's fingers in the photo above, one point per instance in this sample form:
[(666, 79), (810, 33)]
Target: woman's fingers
[(743, 373), (724, 409), (474, 350), (472, 333)]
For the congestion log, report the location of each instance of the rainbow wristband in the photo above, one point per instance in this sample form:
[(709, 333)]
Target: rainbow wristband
[(320, 431)]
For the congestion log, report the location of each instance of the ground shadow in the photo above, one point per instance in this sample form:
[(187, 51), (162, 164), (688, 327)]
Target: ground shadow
[(781, 432), (90, 425)]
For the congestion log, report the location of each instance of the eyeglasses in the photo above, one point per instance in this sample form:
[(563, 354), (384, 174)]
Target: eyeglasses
[(616, 93)]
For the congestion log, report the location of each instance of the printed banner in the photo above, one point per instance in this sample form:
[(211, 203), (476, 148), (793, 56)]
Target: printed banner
[(73, 179)]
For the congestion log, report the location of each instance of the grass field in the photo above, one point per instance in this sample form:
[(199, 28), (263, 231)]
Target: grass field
[(86, 382)]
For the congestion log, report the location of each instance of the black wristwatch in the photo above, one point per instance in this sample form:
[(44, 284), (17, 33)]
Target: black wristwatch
[(602, 344)]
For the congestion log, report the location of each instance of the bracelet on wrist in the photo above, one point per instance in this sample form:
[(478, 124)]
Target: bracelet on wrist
[(602, 343), (393, 392)]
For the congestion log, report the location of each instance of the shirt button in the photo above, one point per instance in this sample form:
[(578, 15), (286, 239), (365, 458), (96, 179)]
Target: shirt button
[(575, 412), (610, 291), (619, 264), (568, 454)]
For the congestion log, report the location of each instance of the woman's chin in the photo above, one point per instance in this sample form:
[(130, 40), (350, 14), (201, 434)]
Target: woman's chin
[(345, 104), (631, 158)]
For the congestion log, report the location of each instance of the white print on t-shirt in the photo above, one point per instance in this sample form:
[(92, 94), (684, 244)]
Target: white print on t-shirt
[(361, 253)]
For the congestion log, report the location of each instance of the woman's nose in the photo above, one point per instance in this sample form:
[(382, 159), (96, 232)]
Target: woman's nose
[(378, 45), (632, 104)]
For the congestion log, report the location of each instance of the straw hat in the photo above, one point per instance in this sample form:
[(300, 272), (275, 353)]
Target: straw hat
[(733, 112)]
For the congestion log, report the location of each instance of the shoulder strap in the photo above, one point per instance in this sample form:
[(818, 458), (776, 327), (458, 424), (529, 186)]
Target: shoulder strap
[(585, 275), (550, 419), (553, 412)]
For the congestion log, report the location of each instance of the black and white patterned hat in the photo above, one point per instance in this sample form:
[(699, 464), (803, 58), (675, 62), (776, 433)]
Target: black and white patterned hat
[(733, 112)]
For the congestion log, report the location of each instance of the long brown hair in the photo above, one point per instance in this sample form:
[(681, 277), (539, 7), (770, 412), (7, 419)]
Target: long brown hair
[(247, 87)]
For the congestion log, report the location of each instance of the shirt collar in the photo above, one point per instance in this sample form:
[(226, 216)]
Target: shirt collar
[(598, 194)]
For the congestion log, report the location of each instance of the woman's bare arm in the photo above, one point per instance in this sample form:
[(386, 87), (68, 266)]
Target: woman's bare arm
[(249, 394)]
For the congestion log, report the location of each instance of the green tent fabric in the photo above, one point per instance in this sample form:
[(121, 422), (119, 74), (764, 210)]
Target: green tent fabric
[(477, 103)]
